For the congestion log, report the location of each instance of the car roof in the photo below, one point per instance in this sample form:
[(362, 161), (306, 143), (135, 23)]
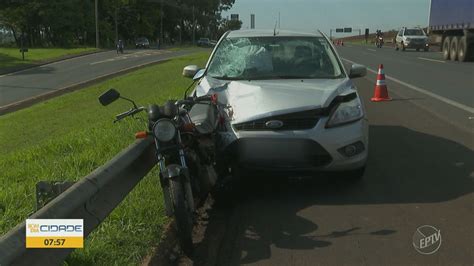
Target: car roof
[(270, 32)]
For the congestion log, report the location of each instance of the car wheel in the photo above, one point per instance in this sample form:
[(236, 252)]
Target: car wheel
[(453, 51), (446, 44), (462, 49)]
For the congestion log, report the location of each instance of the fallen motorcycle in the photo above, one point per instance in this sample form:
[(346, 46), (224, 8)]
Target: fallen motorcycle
[(183, 133)]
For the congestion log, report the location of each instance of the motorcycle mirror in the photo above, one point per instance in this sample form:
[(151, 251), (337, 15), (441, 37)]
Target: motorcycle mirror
[(109, 97)]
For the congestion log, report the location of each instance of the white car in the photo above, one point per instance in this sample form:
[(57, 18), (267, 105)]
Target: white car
[(411, 38), (289, 103)]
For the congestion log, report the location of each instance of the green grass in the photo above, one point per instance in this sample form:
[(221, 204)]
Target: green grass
[(11, 57), (67, 137)]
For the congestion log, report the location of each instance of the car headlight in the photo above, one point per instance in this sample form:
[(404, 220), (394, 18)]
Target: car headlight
[(164, 130), (346, 112)]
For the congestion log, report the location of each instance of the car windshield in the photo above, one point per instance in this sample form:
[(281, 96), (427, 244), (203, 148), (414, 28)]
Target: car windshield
[(414, 32), (256, 58)]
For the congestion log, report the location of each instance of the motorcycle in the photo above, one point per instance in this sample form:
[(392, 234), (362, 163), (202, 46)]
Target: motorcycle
[(379, 42), (183, 133), (119, 49)]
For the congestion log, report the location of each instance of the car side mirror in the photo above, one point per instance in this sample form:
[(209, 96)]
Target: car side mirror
[(190, 71), (109, 97), (357, 71), (199, 74)]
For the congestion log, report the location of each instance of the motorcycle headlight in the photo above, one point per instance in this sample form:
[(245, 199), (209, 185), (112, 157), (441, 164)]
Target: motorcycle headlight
[(164, 130), (346, 112)]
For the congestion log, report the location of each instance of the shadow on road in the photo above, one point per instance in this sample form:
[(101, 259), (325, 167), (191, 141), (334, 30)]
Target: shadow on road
[(404, 166)]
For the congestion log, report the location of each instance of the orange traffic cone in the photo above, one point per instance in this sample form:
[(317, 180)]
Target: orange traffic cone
[(380, 91)]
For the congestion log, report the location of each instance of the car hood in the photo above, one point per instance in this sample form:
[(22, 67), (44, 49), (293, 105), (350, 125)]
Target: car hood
[(250, 100)]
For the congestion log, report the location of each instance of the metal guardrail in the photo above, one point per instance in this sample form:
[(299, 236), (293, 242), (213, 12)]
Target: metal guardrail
[(92, 198)]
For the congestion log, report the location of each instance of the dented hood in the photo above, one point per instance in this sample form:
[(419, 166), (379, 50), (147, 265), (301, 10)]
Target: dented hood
[(256, 99)]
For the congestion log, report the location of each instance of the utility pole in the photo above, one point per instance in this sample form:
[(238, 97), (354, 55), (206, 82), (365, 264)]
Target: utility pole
[(97, 23), (194, 27), (161, 25), (116, 25), (279, 25)]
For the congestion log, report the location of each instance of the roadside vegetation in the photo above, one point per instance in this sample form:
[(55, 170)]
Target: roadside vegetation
[(67, 137), (11, 57)]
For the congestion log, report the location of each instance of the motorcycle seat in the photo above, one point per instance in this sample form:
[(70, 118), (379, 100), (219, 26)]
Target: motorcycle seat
[(204, 118)]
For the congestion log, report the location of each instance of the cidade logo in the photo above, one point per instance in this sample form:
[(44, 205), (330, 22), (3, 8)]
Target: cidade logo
[(427, 239)]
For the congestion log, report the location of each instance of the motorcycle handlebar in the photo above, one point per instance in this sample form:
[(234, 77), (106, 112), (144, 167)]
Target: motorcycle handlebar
[(128, 113)]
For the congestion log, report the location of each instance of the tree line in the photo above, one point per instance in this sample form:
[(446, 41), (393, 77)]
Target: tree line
[(44, 23)]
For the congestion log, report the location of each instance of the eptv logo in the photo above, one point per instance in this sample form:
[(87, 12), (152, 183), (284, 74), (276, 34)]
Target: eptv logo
[(427, 239)]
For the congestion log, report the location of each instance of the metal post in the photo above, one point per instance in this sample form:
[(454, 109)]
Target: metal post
[(194, 27), (160, 41), (97, 23), (116, 25), (22, 49)]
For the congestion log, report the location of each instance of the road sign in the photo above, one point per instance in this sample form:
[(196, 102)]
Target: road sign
[(340, 30), (347, 29)]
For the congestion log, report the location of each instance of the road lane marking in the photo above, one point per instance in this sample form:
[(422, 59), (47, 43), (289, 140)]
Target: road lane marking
[(432, 60), (420, 90), (373, 50)]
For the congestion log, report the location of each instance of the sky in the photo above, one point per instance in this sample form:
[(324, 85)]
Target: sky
[(310, 15)]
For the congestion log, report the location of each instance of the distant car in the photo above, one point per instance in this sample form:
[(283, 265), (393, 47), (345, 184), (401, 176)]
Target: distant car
[(291, 105), (411, 38), (204, 42), (142, 43)]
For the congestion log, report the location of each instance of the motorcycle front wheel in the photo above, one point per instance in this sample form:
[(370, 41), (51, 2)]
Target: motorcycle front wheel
[(183, 216)]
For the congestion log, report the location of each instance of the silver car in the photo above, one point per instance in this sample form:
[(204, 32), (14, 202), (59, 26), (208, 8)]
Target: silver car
[(411, 38), (289, 103)]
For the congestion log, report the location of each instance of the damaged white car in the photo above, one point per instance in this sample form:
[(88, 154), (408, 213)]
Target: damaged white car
[(289, 103)]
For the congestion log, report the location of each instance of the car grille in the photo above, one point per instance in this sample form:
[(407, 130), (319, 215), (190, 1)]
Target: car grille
[(293, 121)]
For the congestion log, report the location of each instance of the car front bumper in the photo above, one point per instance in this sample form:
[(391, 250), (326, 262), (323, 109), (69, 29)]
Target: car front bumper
[(316, 149), (414, 45)]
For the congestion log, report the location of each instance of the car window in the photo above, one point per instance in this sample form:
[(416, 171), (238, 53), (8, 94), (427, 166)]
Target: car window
[(274, 58), (414, 32)]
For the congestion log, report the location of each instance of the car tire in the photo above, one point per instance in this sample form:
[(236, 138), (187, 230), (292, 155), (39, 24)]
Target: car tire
[(462, 49), (446, 47), (453, 49)]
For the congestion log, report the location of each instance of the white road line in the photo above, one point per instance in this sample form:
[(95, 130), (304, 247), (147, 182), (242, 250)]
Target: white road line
[(433, 60), (372, 50), (420, 90), (50, 64)]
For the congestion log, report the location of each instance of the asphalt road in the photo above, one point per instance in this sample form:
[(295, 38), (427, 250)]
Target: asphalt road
[(420, 172), (35, 81)]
